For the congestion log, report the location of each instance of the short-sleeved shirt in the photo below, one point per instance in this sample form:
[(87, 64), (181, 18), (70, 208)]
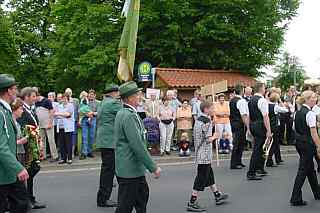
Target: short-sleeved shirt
[(263, 105), (222, 108), (311, 118), (242, 106), (66, 123)]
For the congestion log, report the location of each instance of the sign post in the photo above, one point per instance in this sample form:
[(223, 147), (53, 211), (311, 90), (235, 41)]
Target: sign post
[(153, 72)]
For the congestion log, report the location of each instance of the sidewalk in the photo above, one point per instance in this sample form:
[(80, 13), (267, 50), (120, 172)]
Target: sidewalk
[(173, 158)]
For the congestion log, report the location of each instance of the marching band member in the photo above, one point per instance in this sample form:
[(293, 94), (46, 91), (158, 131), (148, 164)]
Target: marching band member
[(307, 143), (239, 119), (260, 129), (131, 155), (274, 111)]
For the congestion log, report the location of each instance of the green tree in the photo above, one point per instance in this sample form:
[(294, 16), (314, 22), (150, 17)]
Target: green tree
[(8, 51), (85, 49), (288, 69), (33, 28), (227, 34)]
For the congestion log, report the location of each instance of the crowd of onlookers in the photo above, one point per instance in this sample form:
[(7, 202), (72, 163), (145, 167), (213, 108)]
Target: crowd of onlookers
[(68, 124)]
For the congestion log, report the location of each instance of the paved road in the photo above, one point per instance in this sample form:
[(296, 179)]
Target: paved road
[(75, 191)]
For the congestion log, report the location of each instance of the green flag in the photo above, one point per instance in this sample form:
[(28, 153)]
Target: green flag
[(128, 41)]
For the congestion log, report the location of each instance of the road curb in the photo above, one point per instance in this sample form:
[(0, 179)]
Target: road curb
[(159, 160)]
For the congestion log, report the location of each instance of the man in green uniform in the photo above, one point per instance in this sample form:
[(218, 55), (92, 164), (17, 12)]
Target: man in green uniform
[(12, 174), (105, 142), (132, 156)]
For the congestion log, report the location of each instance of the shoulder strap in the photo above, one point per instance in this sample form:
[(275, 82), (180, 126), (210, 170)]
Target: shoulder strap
[(5, 124)]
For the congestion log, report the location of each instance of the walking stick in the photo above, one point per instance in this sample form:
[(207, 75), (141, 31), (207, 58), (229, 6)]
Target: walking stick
[(217, 153)]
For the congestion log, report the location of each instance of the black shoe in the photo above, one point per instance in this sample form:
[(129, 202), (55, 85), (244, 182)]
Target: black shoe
[(236, 167), (221, 198), (168, 153), (262, 173), (253, 177), (37, 205), (243, 166), (271, 165), (280, 163), (108, 203), (299, 203), (90, 155), (53, 160), (62, 162), (195, 207), (82, 157)]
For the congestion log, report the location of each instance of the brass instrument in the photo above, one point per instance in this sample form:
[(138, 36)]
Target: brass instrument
[(266, 149)]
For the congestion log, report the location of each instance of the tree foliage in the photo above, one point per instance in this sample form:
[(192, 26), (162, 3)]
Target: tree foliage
[(73, 43), (8, 51), (227, 34), (32, 25), (85, 49), (288, 68)]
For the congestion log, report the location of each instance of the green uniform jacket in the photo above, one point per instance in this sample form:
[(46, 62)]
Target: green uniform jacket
[(9, 165), (105, 122), (132, 156)]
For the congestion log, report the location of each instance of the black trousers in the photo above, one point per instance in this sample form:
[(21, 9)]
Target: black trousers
[(275, 148), (65, 144), (204, 178), (257, 159), (133, 193), (33, 171), (239, 142), (286, 126), (106, 175), (306, 150), (16, 195)]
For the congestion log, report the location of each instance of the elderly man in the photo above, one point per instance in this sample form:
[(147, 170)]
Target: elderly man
[(132, 156), (106, 143), (12, 174), (152, 107)]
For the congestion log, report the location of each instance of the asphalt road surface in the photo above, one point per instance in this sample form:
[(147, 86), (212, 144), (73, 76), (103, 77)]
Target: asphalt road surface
[(75, 191)]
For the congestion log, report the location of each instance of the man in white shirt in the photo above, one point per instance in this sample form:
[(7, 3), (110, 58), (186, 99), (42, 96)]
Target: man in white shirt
[(260, 129), (239, 119)]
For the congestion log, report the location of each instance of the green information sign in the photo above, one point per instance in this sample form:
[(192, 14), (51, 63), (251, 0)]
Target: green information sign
[(144, 71)]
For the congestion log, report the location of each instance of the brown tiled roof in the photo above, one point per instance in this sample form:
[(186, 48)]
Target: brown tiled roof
[(197, 78)]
